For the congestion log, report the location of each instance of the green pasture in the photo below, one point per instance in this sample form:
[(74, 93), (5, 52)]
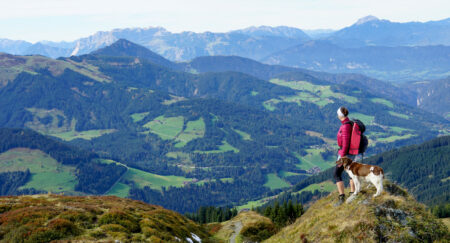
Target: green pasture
[(194, 129), (166, 127), (120, 190), (383, 102), (366, 119), (313, 158), (46, 173), (275, 182), (393, 113), (137, 117), (243, 134), (224, 147), (154, 181)]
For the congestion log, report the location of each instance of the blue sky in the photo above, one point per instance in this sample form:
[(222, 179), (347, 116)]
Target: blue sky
[(57, 20)]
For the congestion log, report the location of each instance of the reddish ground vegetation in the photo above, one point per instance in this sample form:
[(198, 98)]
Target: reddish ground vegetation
[(45, 218)]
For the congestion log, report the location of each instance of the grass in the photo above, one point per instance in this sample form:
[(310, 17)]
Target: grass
[(56, 68), (166, 127), (366, 119), (399, 129), (119, 190), (174, 99), (284, 174), (318, 94), (194, 129), (86, 135), (46, 173), (326, 186), (154, 181), (271, 104), (394, 138), (60, 126), (359, 222), (383, 102), (202, 182), (275, 182), (399, 115), (243, 134), (137, 117), (313, 158), (246, 218), (253, 204), (224, 147), (446, 221)]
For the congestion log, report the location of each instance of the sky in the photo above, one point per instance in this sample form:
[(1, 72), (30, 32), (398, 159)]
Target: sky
[(68, 20)]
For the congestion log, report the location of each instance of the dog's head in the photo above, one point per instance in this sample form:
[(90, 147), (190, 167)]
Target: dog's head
[(344, 161)]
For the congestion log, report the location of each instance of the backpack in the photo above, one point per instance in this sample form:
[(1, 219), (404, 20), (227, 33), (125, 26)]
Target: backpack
[(358, 141)]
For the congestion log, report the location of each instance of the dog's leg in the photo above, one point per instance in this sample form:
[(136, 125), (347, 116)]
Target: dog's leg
[(377, 181), (357, 185)]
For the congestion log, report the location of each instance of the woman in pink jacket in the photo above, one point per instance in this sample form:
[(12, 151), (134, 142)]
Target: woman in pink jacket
[(343, 141)]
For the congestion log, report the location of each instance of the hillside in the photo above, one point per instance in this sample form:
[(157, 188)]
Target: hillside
[(392, 217), (44, 218), (422, 169), (371, 31), (170, 136), (432, 95), (267, 72), (394, 64)]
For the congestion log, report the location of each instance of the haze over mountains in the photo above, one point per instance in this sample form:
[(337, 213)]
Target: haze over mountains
[(378, 48)]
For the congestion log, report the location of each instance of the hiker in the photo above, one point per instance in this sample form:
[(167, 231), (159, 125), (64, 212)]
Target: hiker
[(343, 139)]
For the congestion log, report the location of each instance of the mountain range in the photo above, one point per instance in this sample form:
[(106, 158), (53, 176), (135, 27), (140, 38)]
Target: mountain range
[(169, 132), (379, 48)]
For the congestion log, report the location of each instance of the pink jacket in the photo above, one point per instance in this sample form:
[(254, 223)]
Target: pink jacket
[(343, 137)]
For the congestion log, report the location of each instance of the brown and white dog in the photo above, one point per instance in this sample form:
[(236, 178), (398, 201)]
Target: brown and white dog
[(358, 172)]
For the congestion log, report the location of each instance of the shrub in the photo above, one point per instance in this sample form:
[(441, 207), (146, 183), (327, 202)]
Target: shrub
[(120, 218), (64, 227), (258, 231)]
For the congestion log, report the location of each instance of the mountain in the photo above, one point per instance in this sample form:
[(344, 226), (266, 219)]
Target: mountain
[(394, 216), (45, 218), (371, 31), (280, 31), (387, 63), (124, 47), (253, 42), (216, 138), (432, 95), (46, 50), (267, 72), (319, 33), (13, 46)]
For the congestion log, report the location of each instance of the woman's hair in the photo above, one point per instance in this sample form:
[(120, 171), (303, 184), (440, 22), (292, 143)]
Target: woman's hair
[(342, 111)]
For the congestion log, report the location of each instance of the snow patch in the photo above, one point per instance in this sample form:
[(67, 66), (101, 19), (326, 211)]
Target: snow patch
[(195, 237)]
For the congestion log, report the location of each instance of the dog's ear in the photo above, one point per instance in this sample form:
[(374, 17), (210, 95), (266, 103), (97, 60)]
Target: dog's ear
[(346, 161)]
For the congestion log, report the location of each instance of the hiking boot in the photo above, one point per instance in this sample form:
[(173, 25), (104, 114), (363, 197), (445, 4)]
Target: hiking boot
[(350, 198), (341, 200)]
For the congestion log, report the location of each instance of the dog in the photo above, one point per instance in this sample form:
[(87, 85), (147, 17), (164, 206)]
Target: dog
[(358, 172)]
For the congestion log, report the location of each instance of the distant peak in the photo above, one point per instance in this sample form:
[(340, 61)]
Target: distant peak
[(366, 19)]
